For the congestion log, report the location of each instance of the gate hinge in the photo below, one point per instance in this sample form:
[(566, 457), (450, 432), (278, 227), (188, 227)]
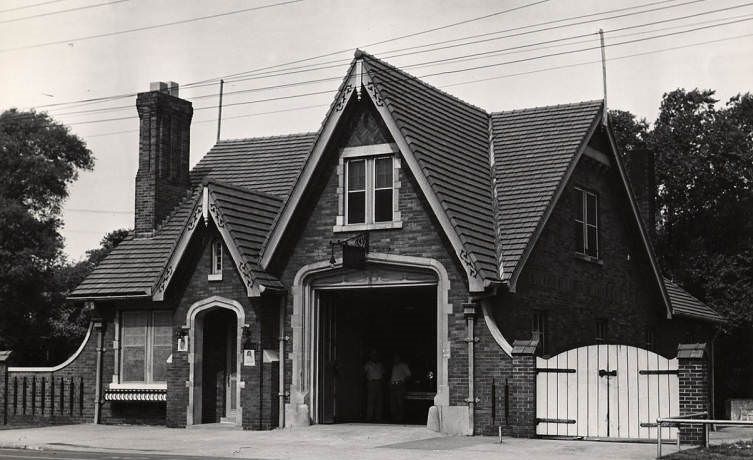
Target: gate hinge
[(473, 401), (471, 339), (284, 394)]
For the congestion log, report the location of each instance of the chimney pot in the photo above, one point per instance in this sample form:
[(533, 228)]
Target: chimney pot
[(172, 88), (160, 86)]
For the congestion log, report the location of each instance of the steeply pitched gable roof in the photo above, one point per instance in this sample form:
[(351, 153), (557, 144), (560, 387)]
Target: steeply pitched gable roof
[(450, 140), (684, 304), (268, 164), (135, 265), (533, 151), (248, 216)]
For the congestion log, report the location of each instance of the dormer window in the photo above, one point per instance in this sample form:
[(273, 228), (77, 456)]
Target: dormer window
[(369, 188), (215, 270)]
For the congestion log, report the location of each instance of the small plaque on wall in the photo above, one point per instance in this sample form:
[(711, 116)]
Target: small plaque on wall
[(249, 358), (183, 343)]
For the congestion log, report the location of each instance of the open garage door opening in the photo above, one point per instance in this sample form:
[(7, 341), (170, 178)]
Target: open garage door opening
[(377, 354)]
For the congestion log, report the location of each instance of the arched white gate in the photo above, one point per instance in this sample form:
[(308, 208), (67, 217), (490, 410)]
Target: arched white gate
[(606, 391)]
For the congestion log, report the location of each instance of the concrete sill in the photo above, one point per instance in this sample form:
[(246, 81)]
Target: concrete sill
[(214, 277), (589, 259), (364, 227)]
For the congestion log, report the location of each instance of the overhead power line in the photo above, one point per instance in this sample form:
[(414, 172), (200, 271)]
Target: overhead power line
[(452, 71), (52, 13), (465, 57), (481, 80), (213, 80), (152, 27), (23, 7)]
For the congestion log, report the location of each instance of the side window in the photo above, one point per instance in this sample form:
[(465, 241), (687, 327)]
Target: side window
[(538, 328), (215, 270), (146, 346), (383, 189), (586, 222), (355, 200)]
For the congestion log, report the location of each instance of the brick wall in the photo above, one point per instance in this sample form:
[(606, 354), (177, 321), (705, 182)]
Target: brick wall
[(693, 367), (523, 390), (575, 293), (311, 232), (63, 396)]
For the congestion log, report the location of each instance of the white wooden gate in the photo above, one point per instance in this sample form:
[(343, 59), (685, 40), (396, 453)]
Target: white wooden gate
[(606, 391)]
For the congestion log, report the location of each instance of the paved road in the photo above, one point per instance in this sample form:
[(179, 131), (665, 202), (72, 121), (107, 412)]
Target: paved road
[(81, 455)]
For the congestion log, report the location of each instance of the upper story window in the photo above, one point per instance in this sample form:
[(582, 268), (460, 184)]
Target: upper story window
[(215, 271), (538, 328), (586, 223), (146, 345), (370, 185)]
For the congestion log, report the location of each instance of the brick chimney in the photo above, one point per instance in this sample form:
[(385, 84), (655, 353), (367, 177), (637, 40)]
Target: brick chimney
[(164, 139), (643, 181)]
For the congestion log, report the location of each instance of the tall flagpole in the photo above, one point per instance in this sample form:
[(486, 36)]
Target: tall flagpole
[(219, 114)]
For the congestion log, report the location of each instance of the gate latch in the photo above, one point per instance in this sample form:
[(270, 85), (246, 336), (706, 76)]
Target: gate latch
[(605, 373)]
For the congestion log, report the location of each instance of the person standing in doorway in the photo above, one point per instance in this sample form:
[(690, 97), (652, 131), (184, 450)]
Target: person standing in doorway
[(398, 384), (374, 372)]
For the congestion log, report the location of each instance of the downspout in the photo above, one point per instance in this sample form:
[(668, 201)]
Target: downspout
[(281, 385), (469, 311), (98, 373)]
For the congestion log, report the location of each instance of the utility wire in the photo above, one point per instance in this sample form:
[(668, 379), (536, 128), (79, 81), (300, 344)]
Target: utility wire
[(306, 68), (52, 13), (31, 6), (213, 80), (466, 57), (447, 72), (152, 27)]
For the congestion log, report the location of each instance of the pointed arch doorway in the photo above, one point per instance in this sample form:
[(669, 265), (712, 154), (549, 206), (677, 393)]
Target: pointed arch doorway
[(215, 328)]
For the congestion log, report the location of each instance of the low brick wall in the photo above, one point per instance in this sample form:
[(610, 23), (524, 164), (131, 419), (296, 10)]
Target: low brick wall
[(693, 371), (63, 394)]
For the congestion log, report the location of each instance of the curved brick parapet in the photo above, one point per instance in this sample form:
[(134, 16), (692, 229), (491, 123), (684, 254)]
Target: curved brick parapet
[(62, 394)]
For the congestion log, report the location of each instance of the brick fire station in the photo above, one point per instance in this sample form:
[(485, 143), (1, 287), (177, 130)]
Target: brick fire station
[(505, 256)]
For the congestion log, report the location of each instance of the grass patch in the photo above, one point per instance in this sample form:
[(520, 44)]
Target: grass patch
[(729, 451)]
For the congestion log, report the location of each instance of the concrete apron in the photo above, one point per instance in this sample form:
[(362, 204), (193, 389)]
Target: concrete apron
[(450, 420)]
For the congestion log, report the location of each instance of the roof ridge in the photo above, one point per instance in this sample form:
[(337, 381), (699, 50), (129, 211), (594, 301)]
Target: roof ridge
[(540, 107), (257, 138), (360, 52)]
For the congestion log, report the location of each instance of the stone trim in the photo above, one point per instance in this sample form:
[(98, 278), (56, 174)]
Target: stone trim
[(190, 325), (302, 408)]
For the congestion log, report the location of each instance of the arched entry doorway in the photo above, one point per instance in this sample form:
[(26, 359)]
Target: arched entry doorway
[(215, 328), (314, 283)]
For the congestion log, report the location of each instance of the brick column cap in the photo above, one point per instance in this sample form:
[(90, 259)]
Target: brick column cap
[(525, 347), (5, 355), (691, 351)]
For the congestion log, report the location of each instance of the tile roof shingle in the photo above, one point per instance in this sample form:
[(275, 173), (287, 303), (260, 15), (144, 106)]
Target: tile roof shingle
[(450, 140), (533, 150), (267, 164), (684, 304)]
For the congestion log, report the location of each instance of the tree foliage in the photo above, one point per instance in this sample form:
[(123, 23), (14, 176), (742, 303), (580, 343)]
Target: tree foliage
[(39, 158), (704, 169)]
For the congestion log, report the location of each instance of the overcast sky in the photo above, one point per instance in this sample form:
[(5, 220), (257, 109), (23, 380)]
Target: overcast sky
[(73, 69)]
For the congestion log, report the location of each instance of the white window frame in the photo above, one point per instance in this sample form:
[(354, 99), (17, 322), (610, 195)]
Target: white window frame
[(582, 220), (148, 381), (369, 153), (215, 274)]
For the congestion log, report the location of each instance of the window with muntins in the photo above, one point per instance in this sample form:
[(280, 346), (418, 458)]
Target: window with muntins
[(601, 330), (538, 328), (370, 186), (146, 345), (586, 223)]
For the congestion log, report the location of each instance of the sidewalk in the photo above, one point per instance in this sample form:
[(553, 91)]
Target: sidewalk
[(347, 441)]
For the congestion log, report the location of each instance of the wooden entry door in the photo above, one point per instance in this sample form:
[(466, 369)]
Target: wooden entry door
[(606, 391), (231, 377), (327, 360)]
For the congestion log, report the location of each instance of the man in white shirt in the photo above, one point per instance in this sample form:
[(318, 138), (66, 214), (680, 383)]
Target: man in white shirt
[(374, 372), (398, 384)]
